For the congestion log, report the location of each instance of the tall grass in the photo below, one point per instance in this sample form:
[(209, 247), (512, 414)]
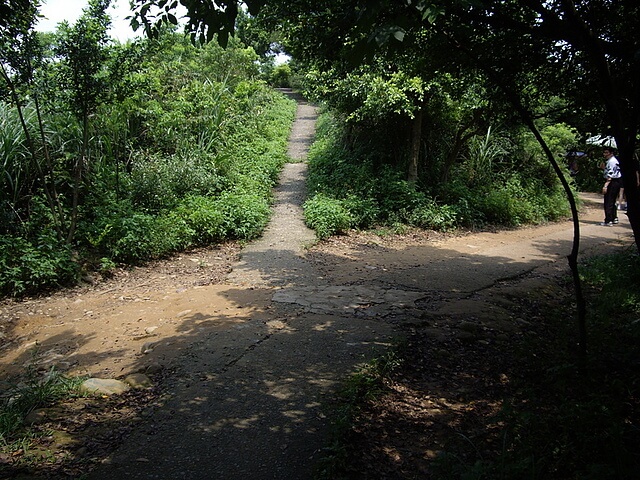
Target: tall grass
[(482, 153), (15, 161)]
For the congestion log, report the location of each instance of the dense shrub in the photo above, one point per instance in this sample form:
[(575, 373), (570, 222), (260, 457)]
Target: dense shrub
[(28, 265), (159, 182), (182, 147), (327, 216), (356, 187), (433, 216), (203, 219), (124, 234), (171, 202), (363, 211), (280, 76), (246, 214)]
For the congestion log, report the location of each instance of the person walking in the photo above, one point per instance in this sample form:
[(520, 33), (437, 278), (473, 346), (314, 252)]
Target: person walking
[(611, 188)]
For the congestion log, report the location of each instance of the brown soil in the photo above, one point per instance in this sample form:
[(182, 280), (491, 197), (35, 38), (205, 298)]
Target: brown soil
[(99, 328)]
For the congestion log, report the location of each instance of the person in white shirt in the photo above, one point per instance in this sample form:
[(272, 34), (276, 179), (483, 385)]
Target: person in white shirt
[(611, 188)]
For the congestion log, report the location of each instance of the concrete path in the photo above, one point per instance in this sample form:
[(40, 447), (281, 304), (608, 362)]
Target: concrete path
[(246, 399)]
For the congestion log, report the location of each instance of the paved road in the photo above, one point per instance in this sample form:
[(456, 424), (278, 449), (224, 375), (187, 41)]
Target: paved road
[(247, 399)]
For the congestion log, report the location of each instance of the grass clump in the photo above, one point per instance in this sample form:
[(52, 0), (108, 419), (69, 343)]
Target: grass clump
[(36, 390), (327, 216)]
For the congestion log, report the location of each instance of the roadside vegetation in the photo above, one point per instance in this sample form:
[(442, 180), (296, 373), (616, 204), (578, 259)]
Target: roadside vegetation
[(114, 155), (501, 179), (117, 154), (511, 409)]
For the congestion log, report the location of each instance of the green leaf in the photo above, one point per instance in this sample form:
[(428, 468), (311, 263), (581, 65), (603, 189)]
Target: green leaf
[(431, 13)]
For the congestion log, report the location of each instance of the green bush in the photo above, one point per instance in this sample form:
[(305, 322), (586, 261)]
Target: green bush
[(433, 216), (365, 212), (29, 265), (184, 151), (124, 234), (378, 195), (511, 201), (327, 216), (355, 193), (513, 204), (203, 218), (232, 215), (170, 202), (395, 196), (129, 238), (281, 76), (246, 214), (159, 183)]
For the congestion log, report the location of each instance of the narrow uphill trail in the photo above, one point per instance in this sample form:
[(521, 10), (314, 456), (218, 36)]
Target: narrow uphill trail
[(277, 257)]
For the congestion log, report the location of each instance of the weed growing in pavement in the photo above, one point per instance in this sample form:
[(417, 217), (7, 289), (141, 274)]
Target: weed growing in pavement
[(364, 385)]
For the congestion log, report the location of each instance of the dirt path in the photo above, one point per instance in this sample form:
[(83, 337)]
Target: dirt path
[(248, 359)]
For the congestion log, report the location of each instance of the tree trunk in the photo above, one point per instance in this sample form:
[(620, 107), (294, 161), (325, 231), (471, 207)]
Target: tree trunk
[(416, 141), (463, 133), (572, 258)]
